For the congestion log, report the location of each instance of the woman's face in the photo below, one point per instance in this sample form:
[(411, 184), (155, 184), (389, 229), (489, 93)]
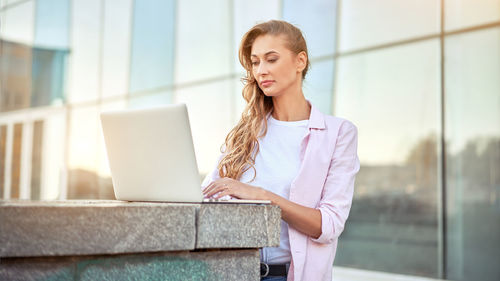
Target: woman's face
[(275, 68)]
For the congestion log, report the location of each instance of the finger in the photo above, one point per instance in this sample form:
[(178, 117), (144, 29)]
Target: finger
[(220, 183), (224, 193), (211, 186), (208, 187), (216, 189)]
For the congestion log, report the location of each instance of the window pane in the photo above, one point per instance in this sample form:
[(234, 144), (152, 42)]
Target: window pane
[(318, 85), (150, 100), (3, 143), (366, 23), (52, 154), (15, 76), (466, 13), (209, 108), (84, 61), (203, 49), (392, 95), (83, 178), (248, 14), (18, 22), (152, 45), (48, 76), (50, 52), (52, 24), (10, 2), (320, 32), (116, 47), (473, 155), (238, 103)]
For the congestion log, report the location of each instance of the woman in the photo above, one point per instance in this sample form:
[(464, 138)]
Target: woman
[(286, 151)]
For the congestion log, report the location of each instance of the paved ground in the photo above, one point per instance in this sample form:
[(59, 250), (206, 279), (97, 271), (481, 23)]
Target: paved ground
[(349, 274)]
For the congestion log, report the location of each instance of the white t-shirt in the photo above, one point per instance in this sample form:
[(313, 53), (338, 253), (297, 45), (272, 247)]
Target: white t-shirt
[(277, 164)]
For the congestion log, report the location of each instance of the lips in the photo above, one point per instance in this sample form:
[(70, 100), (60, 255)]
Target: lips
[(266, 83)]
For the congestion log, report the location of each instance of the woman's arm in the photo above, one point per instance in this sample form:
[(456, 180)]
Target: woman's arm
[(304, 219), (325, 223)]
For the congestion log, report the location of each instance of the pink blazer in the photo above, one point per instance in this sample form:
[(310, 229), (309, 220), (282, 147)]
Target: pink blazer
[(326, 182)]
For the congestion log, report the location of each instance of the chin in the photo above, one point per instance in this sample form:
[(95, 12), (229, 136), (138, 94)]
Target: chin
[(270, 93)]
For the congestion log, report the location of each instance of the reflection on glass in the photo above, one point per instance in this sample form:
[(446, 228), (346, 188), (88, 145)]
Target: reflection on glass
[(3, 142), (392, 95), (84, 61), (466, 13), (248, 14), (116, 47), (202, 46), (318, 85), (83, 180), (150, 100), (48, 76), (473, 155), (239, 102), (52, 154), (16, 161), (83, 137), (320, 32), (152, 58), (52, 24), (36, 160), (366, 23), (18, 23), (15, 76), (210, 121)]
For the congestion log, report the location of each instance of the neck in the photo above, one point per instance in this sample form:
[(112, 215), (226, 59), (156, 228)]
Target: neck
[(291, 106)]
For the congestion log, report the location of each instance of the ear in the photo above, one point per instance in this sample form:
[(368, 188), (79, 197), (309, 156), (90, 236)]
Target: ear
[(301, 61)]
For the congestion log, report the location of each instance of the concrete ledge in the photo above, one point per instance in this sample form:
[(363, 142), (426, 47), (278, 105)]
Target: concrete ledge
[(238, 226), (93, 227), (213, 265), (30, 229)]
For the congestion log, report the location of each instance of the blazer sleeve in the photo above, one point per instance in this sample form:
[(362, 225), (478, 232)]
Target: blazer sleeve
[(336, 198)]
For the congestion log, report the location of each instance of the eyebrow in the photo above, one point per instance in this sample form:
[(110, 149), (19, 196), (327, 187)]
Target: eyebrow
[(270, 52)]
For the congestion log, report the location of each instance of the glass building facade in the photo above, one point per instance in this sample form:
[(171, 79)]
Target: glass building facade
[(420, 79)]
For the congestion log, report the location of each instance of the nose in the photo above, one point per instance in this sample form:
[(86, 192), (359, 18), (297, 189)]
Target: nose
[(262, 69)]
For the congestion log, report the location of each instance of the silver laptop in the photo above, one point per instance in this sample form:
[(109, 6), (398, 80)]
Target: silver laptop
[(151, 156)]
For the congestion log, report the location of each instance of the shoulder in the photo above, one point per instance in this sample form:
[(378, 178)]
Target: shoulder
[(338, 126), (328, 124), (332, 121)]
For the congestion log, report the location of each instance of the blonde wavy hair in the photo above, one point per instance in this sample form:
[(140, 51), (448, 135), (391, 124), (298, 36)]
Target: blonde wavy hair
[(241, 144)]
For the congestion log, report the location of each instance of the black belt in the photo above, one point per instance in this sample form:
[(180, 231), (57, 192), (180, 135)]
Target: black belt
[(273, 269)]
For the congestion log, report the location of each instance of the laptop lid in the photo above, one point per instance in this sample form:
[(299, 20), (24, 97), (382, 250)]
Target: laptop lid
[(151, 154)]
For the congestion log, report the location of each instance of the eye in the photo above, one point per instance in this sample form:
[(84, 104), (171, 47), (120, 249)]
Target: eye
[(272, 60), (254, 63)]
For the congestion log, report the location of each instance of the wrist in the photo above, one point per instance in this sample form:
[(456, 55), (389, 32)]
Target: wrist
[(268, 195), (263, 194)]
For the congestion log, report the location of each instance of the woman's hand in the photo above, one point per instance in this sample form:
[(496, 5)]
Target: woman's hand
[(304, 219), (228, 186)]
